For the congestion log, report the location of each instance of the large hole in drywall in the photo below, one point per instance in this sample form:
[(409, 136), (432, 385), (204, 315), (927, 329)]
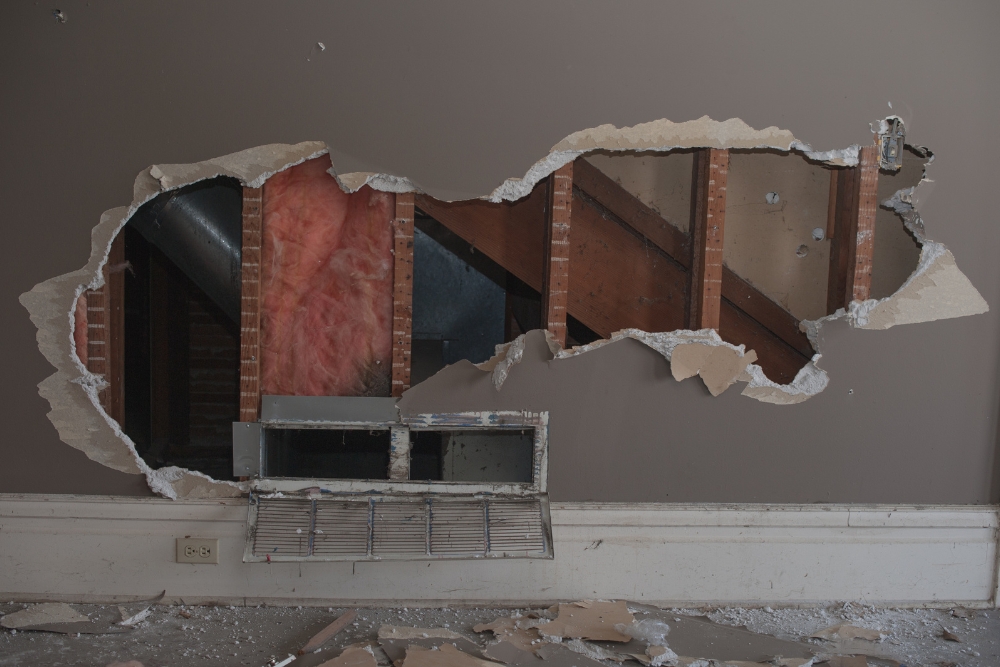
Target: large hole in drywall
[(598, 242), (327, 273)]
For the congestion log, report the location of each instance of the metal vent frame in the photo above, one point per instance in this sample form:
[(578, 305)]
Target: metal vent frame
[(333, 413), (375, 527)]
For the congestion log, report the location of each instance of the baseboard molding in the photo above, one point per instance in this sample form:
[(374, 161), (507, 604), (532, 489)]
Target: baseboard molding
[(112, 549)]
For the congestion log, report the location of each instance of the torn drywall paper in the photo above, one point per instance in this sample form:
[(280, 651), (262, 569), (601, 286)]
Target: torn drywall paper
[(597, 620), (935, 291), (719, 366), (353, 656), (396, 641), (445, 656), (703, 352)]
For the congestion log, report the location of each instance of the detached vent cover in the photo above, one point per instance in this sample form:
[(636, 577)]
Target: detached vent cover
[(397, 528)]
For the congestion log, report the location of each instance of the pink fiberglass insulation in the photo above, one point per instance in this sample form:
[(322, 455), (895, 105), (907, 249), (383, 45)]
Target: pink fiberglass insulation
[(327, 286), (80, 328)]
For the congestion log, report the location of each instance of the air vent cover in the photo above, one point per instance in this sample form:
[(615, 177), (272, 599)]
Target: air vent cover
[(397, 527)]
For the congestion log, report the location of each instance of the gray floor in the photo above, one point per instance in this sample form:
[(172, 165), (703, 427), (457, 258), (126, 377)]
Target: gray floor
[(250, 636)]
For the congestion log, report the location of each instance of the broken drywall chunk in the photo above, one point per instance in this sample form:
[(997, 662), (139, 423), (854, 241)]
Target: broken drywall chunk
[(847, 631), (353, 656), (596, 620), (718, 366), (937, 290), (396, 640), (42, 614), (356, 180), (445, 656), (508, 631), (509, 354), (809, 381)]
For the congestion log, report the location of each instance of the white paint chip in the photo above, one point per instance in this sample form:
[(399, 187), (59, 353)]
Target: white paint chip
[(772, 198)]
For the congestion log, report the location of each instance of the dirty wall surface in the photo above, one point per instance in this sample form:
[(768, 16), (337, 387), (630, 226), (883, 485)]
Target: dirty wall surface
[(909, 413)]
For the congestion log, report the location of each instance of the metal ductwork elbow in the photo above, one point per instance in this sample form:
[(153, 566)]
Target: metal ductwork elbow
[(200, 229)]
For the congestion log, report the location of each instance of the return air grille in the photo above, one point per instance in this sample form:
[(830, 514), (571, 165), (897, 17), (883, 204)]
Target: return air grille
[(394, 527)]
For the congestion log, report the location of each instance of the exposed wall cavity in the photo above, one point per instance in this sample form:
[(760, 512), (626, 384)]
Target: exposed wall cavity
[(934, 289), (326, 288)]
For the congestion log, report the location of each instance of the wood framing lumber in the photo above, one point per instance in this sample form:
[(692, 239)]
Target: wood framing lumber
[(619, 277), (253, 221), (402, 298), (511, 234), (863, 247), (329, 631), (96, 332), (853, 239), (555, 276), (711, 172), (647, 222), (831, 207), (632, 211), (113, 396)]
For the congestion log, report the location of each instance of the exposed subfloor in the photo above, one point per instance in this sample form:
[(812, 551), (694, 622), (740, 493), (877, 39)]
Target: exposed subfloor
[(249, 636)]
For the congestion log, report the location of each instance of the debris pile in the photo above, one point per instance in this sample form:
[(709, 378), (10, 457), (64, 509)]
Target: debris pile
[(585, 633)]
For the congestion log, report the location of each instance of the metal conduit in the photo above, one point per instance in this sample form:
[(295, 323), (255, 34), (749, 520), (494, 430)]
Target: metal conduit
[(200, 229)]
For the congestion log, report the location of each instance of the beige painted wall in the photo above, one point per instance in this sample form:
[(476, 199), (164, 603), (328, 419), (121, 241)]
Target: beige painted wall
[(896, 251)]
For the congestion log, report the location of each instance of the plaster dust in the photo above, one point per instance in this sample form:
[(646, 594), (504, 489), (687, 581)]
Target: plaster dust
[(72, 391), (230, 636)]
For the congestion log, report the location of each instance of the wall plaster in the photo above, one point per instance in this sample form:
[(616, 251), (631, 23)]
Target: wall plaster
[(937, 289)]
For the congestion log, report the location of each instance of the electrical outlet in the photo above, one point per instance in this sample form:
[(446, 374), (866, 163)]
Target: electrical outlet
[(197, 550)]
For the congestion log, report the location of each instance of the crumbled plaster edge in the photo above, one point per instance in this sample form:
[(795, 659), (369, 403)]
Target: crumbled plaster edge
[(72, 391), (809, 381)]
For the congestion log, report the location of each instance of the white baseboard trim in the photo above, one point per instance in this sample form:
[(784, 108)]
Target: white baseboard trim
[(111, 549)]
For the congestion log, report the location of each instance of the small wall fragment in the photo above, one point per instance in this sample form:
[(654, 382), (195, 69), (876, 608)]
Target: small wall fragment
[(937, 290), (718, 366)]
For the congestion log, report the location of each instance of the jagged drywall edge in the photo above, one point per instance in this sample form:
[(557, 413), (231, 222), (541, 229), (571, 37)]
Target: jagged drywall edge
[(809, 381), (72, 391), (662, 136), (657, 136), (937, 278), (936, 289)]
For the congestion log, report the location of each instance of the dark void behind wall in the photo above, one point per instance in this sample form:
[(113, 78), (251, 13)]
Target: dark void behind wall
[(181, 366)]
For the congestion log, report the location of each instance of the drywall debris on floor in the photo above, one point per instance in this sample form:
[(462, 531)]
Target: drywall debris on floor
[(396, 640), (444, 656), (936, 290), (248, 635), (61, 618), (847, 631), (43, 614), (353, 656), (596, 620)]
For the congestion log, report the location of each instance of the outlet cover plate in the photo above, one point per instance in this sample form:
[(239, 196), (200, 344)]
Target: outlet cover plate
[(198, 550)]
